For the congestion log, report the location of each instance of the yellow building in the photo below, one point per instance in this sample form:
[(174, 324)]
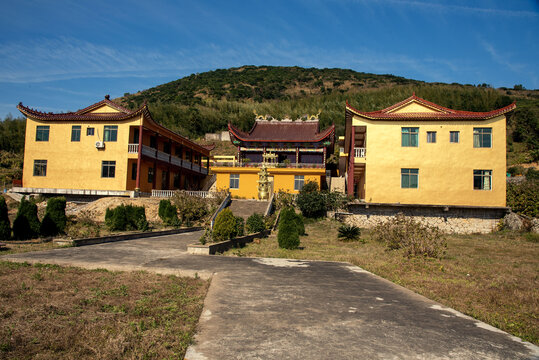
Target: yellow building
[(299, 147), (106, 149), (418, 152)]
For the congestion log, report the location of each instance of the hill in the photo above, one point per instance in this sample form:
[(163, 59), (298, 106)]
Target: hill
[(206, 102)]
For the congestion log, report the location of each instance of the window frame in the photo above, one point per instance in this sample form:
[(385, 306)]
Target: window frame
[(409, 173), (451, 133), (409, 133), (481, 134), (134, 171), (40, 169), (151, 175), (299, 182), (234, 181), (75, 133), (42, 133), (481, 175), (110, 133), (432, 138), (108, 169), (90, 131)]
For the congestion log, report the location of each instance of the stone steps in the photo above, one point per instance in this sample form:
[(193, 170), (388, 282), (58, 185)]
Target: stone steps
[(246, 208)]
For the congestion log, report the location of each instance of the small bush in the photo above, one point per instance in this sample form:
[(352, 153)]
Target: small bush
[(5, 227), (240, 226), (532, 174), (255, 223), (168, 213), (283, 200), (416, 239), (126, 217), (288, 236), (190, 208), (289, 214), (55, 219), (26, 224), (311, 202), (48, 227), (225, 226), (516, 170), (349, 232), (336, 201)]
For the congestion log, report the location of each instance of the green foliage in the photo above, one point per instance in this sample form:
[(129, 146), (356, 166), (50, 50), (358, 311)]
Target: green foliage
[(516, 170), (126, 217), (414, 238), (225, 226), (255, 223), (55, 216), (26, 224), (168, 213), (190, 208), (288, 236), (5, 227), (283, 200), (240, 226), (12, 131), (48, 227), (336, 200), (532, 174), (311, 202), (523, 198), (349, 232), (289, 214)]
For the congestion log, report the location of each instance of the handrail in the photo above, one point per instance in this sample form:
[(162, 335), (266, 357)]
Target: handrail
[(269, 209), (219, 209)]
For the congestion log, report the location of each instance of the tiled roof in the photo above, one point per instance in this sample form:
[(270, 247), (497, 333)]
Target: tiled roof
[(283, 131), (440, 112)]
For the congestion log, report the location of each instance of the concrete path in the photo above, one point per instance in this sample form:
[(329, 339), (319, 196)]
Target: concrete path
[(292, 309)]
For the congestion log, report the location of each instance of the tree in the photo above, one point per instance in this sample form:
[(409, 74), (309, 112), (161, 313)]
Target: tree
[(5, 229), (26, 224), (225, 226)]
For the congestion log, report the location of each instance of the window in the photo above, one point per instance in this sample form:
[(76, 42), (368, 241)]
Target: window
[(176, 180), (108, 169), (40, 167), (482, 137), (299, 180), (234, 181), (431, 136), (409, 178), (150, 175), (75, 133), (134, 171), (454, 136), (136, 134), (178, 151), (153, 142), (188, 155), (42, 133), (166, 148), (89, 131), (111, 133), (482, 179), (410, 136)]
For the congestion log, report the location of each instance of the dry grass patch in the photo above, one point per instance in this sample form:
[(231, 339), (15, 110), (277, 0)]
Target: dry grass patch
[(492, 277), (53, 312), (16, 247)]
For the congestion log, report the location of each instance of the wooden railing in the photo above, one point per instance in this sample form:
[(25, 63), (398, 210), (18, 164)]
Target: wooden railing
[(168, 158)]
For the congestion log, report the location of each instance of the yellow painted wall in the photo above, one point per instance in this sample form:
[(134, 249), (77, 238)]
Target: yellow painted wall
[(413, 107), (81, 158), (283, 179), (104, 109), (445, 169)]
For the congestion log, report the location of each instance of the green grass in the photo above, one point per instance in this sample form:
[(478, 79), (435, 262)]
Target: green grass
[(492, 277)]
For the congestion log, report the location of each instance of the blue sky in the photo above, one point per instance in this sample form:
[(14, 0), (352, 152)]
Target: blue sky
[(64, 55)]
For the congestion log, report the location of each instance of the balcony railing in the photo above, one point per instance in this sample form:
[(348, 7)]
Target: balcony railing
[(279, 165), (360, 152), (162, 156), (170, 193)]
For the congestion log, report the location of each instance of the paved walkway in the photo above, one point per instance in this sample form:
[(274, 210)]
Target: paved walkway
[(292, 309)]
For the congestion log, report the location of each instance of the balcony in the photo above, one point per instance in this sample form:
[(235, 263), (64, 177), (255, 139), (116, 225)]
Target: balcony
[(360, 152), (167, 158), (278, 165)]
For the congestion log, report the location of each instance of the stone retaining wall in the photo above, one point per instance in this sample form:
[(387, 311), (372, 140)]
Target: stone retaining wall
[(449, 219)]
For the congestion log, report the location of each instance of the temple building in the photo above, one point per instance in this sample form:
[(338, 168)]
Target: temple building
[(106, 149), (298, 150), (418, 152)]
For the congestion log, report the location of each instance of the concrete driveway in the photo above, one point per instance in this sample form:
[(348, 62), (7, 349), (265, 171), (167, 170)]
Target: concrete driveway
[(292, 309)]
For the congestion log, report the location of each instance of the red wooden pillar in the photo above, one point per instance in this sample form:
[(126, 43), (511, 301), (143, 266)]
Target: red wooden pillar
[(351, 155), (139, 158)]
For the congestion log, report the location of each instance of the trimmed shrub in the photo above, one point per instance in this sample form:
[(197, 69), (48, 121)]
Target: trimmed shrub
[(126, 217), (26, 224), (255, 223), (55, 219), (288, 236), (414, 238), (225, 226), (289, 214), (349, 233), (240, 226), (5, 228), (168, 213), (311, 202), (516, 170)]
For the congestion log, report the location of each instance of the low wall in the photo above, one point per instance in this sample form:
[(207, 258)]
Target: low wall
[(122, 237), (219, 247), (449, 219)]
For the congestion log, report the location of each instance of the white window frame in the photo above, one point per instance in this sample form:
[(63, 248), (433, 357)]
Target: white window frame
[(299, 181), (234, 181)]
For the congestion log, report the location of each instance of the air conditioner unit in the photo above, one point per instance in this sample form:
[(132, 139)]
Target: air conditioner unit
[(99, 144)]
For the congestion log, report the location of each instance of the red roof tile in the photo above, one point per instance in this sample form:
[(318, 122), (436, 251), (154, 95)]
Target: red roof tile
[(283, 131), (441, 113)]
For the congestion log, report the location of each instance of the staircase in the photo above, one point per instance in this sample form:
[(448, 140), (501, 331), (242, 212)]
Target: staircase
[(246, 208)]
